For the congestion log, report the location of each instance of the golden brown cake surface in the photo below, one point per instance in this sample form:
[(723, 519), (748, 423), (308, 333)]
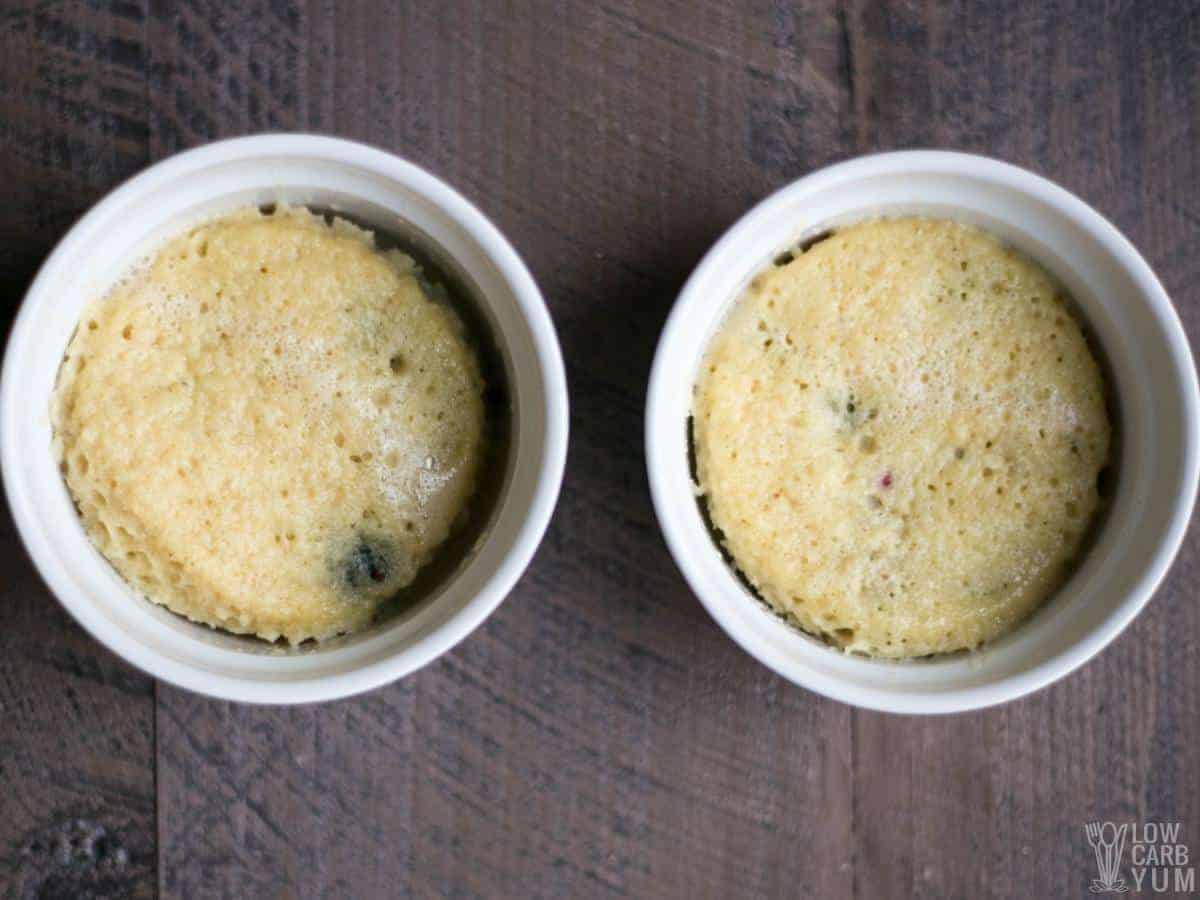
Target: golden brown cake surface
[(269, 427), (898, 436)]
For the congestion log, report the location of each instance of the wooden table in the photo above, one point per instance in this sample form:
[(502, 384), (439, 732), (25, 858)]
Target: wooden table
[(598, 735)]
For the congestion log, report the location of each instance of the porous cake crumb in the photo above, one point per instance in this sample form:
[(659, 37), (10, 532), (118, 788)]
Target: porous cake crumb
[(898, 437), (269, 427)]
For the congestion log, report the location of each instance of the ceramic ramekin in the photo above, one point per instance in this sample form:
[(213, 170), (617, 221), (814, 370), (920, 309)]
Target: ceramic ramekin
[(1157, 404), (375, 187)]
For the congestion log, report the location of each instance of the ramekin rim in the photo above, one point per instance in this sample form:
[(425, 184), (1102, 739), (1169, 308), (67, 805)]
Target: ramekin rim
[(951, 700), (499, 584)]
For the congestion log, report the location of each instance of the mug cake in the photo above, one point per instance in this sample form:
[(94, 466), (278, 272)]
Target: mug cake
[(271, 426), (899, 434)]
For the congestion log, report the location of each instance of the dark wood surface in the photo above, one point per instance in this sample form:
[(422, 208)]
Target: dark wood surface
[(599, 735)]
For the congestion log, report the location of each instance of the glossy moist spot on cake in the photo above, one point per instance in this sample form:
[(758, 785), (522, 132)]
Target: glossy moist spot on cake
[(898, 436), (270, 427)]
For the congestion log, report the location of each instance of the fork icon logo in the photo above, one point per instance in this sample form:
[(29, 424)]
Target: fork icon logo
[(1108, 842)]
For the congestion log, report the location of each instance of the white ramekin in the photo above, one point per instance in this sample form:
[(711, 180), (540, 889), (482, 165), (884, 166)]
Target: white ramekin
[(1157, 405), (302, 169)]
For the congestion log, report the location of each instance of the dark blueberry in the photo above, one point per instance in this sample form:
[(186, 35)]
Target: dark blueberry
[(365, 565)]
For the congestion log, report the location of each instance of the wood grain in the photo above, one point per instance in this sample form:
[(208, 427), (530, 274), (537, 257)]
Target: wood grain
[(598, 736), (77, 815)]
